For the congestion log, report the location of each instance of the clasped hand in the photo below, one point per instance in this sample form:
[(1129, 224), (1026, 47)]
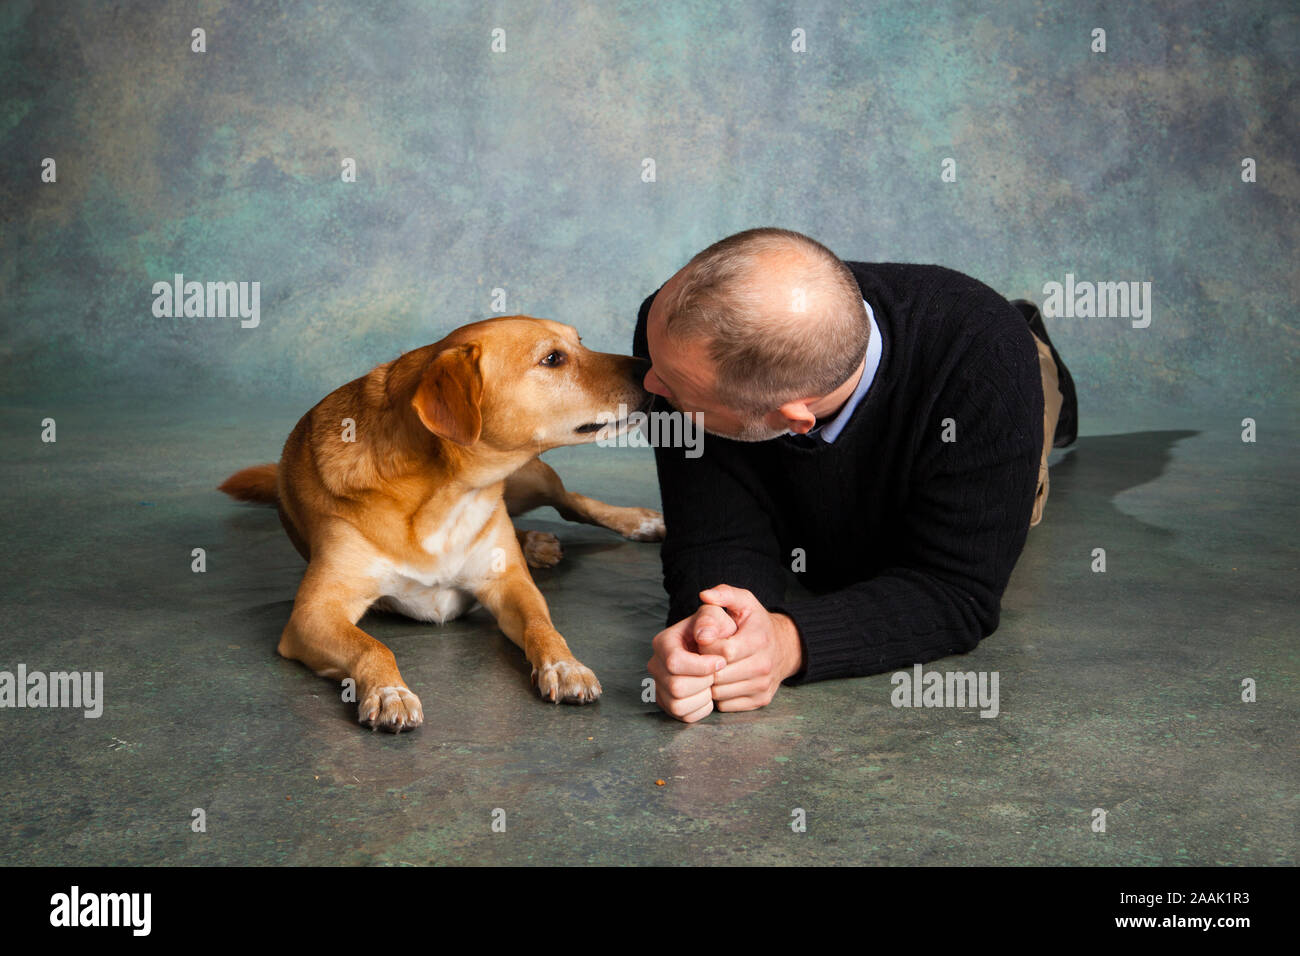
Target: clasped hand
[(731, 654)]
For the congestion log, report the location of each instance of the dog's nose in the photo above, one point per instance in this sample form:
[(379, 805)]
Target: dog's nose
[(638, 369)]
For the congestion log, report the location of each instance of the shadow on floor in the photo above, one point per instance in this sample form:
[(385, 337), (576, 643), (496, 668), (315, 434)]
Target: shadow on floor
[(1098, 468)]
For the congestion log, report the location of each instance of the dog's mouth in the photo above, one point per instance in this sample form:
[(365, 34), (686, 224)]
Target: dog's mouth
[(617, 426)]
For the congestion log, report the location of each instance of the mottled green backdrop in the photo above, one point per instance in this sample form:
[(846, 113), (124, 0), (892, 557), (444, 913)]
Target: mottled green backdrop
[(523, 170)]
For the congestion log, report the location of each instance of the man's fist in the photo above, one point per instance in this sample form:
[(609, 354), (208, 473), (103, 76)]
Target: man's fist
[(730, 654), (763, 650), (683, 674)]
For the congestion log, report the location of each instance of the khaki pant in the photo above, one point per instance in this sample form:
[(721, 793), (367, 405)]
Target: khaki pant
[(1051, 412)]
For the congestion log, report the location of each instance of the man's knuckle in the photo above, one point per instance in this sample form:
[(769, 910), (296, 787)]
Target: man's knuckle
[(682, 708)]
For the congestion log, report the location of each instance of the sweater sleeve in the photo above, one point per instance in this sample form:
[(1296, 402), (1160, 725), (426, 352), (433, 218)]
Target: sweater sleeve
[(963, 530), (719, 528)]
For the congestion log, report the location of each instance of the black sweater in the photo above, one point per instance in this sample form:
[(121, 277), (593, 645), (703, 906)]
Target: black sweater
[(908, 540)]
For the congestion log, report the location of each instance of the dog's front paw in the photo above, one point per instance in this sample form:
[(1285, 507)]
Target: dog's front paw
[(392, 708), (541, 550), (567, 681), (640, 524)]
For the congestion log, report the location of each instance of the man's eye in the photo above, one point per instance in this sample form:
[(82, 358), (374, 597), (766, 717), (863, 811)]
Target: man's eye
[(552, 359)]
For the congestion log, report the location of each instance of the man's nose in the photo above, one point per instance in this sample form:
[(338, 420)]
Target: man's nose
[(653, 383)]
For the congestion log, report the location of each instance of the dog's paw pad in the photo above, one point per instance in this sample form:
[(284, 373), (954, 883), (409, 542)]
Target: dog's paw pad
[(541, 549), (392, 708), (566, 681)]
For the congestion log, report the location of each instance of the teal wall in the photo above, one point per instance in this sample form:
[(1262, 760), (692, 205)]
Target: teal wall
[(522, 170)]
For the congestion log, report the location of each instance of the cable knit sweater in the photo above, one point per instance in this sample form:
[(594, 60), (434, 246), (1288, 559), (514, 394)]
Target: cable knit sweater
[(907, 539)]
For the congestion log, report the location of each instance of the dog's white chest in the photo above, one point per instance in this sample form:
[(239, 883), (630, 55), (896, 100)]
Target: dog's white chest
[(459, 561), (456, 530)]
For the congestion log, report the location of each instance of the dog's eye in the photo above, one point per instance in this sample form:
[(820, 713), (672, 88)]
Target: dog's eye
[(552, 360)]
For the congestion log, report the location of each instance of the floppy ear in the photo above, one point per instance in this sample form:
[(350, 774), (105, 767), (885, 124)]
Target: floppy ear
[(450, 395)]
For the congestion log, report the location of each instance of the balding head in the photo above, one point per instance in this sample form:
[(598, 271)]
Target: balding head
[(779, 316)]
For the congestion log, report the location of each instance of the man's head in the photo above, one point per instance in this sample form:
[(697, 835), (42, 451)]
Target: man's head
[(761, 332)]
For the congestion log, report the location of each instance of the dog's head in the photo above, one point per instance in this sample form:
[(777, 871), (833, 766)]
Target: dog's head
[(525, 384)]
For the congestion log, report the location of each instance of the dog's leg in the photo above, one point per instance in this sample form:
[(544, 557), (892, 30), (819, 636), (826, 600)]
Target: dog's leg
[(536, 484), (322, 633), (521, 612)]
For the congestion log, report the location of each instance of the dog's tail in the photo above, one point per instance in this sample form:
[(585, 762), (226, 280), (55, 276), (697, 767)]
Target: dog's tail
[(252, 484)]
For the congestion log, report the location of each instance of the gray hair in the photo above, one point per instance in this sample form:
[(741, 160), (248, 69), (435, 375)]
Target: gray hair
[(762, 358)]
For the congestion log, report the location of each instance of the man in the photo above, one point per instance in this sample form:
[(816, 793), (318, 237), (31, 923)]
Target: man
[(879, 430)]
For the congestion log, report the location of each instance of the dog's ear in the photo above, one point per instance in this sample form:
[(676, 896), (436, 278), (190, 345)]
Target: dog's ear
[(450, 395)]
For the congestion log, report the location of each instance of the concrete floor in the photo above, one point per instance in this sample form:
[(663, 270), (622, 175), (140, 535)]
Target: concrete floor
[(1118, 690)]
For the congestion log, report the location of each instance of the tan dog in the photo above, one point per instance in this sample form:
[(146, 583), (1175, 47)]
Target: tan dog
[(398, 490)]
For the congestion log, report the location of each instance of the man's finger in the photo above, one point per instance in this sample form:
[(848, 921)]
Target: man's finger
[(754, 687), (676, 686), (713, 629), (683, 706), (742, 645), (742, 703), (711, 622), (739, 602), (727, 648), (687, 664), (699, 714), (671, 637), (743, 669), (723, 644), (670, 647)]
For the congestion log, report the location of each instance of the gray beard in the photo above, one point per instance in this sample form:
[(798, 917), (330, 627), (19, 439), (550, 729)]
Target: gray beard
[(754, 431)]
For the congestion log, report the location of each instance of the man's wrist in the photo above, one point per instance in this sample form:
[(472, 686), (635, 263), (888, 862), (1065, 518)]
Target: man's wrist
[(787, 635)]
